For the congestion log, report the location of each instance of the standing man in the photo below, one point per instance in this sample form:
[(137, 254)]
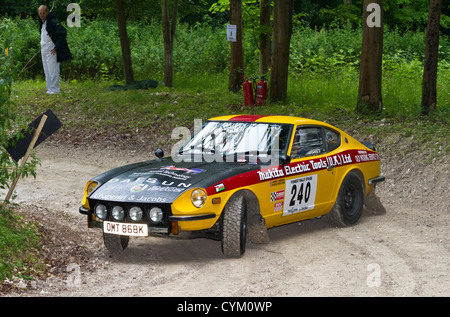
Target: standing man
[(54, 48)]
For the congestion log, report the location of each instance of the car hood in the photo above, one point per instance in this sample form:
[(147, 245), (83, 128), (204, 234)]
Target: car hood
[(162, 181)]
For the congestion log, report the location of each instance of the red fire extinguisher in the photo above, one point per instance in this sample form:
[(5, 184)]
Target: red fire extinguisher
[(247, 87), (261, 91)]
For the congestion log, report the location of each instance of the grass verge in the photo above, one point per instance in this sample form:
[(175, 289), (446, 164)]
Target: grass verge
[(19, 247), (89, 109)]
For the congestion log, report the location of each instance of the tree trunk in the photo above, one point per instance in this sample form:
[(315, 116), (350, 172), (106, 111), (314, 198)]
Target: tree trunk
[(264, 37), (124, 43), (429, 93), (236, 77), (370, 73), (282, 30), (169, 24)]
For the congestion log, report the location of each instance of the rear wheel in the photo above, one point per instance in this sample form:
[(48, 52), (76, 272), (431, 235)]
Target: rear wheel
[(234, 227), (349, 204), (115, 243)]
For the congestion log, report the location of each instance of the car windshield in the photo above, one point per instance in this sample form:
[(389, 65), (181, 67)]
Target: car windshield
[(239, 141)]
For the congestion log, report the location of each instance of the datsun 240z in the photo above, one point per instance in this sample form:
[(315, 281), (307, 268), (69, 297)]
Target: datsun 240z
[(235, 178)]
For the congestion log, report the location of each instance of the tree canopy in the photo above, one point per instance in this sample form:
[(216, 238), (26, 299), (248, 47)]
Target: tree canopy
[(398, 14)]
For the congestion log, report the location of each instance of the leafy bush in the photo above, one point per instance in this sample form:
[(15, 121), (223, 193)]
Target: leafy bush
[(204, 50), (19, 246), (402, 87), (11, 123), (312, 45), (15, 236)]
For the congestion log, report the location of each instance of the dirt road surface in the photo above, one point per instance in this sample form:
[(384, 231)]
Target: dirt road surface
[(403, 252)]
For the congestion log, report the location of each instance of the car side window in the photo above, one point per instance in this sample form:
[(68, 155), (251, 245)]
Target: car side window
[(332, 139), (309, 141)]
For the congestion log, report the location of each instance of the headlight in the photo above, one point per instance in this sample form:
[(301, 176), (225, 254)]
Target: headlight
[(198, 197), (155, 214), (118, 213), (136, 214), (101, 211), (90, 187)]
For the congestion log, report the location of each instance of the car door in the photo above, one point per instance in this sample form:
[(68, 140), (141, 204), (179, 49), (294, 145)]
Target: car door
[(309, 176)]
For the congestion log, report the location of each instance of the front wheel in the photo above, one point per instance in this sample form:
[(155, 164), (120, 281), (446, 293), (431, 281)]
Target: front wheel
[(234, 227), (349, 203)]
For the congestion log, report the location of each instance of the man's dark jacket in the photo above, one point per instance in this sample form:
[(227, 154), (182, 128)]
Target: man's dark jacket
[(58, 35)]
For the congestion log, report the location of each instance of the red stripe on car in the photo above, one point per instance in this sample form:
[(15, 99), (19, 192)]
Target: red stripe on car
[(247, 118), (304, 166)]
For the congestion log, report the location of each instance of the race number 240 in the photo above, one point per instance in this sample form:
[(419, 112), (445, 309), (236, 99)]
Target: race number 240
[(300, 194)]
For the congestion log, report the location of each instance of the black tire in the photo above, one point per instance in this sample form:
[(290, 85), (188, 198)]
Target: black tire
[(115, 243), (234, 227), (349, 203)]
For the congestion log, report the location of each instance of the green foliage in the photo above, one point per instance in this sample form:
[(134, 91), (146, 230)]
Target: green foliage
[(17, 239), (325, 59), (23, 37), (96, 47), (250, 12), (19, 247), (324, 51), (404, 15), (337, 49), (18, 7), (402, 89), (202, 49), (11, 123), (341, 15)]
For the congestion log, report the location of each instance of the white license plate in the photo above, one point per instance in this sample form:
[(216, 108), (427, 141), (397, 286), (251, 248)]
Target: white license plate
[(125, 229)]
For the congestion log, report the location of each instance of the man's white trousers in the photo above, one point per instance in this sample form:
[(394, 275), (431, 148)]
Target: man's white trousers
[(51, 69)]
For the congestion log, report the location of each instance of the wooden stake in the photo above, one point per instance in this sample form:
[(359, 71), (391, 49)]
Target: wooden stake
[(25, 158)]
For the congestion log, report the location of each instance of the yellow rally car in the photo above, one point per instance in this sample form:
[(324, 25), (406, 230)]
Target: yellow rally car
[(235, 178)]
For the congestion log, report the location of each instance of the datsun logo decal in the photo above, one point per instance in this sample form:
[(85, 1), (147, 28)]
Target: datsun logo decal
[(187, 170)]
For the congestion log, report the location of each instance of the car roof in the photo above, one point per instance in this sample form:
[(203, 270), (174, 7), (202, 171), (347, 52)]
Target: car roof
[(270, 119)]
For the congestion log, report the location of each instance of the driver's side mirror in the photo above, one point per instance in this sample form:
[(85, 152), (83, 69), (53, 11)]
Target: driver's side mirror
[(159, 153), (285, 159)]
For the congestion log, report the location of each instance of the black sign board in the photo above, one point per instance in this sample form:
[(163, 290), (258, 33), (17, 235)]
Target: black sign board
[(52, 124)]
